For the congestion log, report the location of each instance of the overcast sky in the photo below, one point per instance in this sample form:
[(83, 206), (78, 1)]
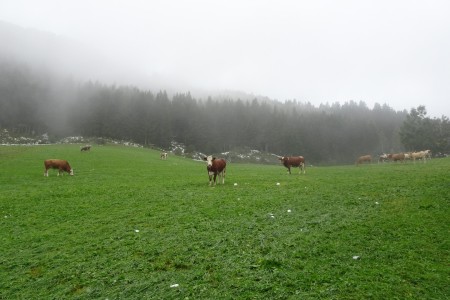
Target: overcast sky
[(385, 51)]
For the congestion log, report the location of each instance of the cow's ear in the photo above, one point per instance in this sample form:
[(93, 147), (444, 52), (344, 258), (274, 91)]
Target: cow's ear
[(213, 158), (205, 158)]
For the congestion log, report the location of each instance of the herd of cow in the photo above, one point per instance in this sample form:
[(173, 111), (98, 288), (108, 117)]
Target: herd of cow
[(401, 157), (216, 167)]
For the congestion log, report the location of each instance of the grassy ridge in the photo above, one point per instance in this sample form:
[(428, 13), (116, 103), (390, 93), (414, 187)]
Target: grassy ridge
[(129, 225)]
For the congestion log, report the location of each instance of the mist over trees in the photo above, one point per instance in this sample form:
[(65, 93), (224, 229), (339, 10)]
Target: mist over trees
[(34, 103)]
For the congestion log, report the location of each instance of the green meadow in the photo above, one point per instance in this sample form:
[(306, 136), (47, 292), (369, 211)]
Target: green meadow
[(129, 225)]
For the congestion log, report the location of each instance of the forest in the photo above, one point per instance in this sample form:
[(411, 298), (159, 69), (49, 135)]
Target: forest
[(36, 102)]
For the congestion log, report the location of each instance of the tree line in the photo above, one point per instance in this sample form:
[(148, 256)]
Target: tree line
[(33, 102)]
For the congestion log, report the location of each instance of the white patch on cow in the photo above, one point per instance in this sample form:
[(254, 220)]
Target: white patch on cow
[(209, 160)]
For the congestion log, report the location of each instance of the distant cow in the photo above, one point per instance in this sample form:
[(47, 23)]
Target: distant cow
[(363, 159), (163, 155), (86, 148), (383, 157), (294, 161), (215, 166), (60, 164), (408, 155), (397, 157), (423, 155)]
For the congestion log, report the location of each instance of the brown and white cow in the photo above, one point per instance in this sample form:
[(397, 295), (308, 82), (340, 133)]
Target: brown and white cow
[(383, 158), (363, 159), (215, 166), (293, 161), (60, 164), (163, 155)]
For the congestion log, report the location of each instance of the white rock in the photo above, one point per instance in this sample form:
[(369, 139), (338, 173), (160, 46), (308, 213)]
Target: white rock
[(356, 257), (136, 230), (278, 183), (174, 285), (288, 210)]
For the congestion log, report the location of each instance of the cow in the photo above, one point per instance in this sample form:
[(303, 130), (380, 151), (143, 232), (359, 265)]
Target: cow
[(60, 164), (215, 166), (163, 155), (408, 155), (383, 157), (423, 155), (86, 148), (294, 161), (397, 157), (364, 158), (427, 154)]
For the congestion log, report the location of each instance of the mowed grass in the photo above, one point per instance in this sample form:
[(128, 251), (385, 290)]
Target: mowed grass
[(130, 226)]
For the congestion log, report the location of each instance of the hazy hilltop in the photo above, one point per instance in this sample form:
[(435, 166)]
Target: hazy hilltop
[(66, 58), (47, 52)]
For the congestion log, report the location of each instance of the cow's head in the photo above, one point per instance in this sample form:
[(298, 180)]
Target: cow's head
[(283, 158), (209, 159)]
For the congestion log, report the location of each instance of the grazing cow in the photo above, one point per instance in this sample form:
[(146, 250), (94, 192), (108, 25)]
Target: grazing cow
[(86, 148), (163, 155), (363, 159), (293, 161), (60, 164), (383, 157), (397, 156), (215, 166)]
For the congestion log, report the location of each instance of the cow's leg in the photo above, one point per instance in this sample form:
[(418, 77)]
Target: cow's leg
[(223, 176), (215, 176), (46, 173), (289, 170)]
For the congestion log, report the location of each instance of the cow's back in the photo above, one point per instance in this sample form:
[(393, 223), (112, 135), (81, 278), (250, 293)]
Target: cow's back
[(219, 165)]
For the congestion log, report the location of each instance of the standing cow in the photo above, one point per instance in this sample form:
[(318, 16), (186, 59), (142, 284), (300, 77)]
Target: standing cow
[(363, 159), (383, 158), (215, 166), (397, 157), (293, 161), (86, 148), (60, 164)]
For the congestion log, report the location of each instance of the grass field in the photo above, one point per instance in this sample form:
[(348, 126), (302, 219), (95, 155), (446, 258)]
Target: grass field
[(131, 226)]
